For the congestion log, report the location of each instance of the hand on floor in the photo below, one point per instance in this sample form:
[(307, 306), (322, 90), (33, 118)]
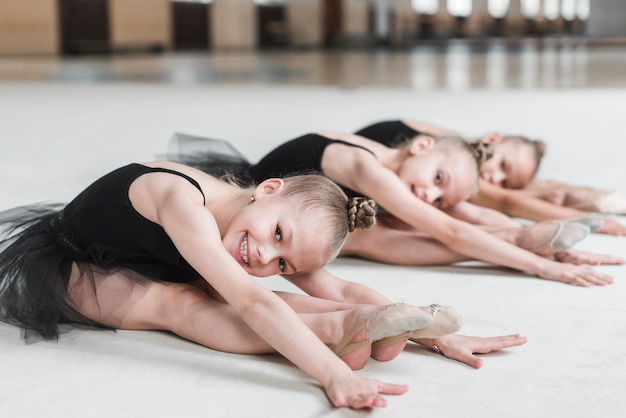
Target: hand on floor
[(612, 227), (463, 347), (584, 257)]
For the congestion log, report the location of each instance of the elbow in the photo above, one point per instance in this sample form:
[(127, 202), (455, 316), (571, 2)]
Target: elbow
[(458, 237), (253, 306)]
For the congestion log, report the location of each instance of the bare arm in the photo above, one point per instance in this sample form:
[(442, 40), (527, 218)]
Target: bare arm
[(323, 284), (359, 170), (259, 307), (520, 204), (524, 204), (479, 215)]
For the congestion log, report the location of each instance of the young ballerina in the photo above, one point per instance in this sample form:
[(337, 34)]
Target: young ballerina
[(164, 246), (412, 184), (508, 178)]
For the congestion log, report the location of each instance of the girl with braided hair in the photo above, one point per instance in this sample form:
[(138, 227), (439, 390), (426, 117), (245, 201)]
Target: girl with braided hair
[(414, 185), (164, 246), (508, 180), (422, 187)]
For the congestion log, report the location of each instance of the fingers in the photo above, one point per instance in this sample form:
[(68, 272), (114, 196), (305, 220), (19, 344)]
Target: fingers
[(391, 388), (583, 257), (589, 277), (475, 362), (612, 227), (361, 401), (609, 259), (513, 341), (372, 401), (366, 394), (584, 277), (466, 355)]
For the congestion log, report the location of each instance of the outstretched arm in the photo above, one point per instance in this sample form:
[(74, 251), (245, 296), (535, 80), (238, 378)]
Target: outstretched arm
[(262, 310), (323, 284), (523, 204), (359, 170), (479, 215)]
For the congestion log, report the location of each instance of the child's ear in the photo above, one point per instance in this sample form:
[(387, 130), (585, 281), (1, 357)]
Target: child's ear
[(268, 187), (421, 143), (492, 138)]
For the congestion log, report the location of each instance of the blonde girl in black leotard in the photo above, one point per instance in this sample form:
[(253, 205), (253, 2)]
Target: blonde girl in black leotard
[(508, 181), (164, 246)]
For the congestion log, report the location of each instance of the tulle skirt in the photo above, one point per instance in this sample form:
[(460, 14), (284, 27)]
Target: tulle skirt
[(213, 156), (36, 260)]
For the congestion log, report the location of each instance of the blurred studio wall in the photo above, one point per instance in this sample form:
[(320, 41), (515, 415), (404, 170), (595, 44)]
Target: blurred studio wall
[(66, 27)]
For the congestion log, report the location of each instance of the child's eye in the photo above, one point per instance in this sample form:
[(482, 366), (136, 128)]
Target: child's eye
[(438, 178), (438, 202), (281, 265), (278, 234)]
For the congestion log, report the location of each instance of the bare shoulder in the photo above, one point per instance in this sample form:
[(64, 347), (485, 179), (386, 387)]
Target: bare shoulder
[(150, 193), (366, 143), (206, 181), (427, 128)]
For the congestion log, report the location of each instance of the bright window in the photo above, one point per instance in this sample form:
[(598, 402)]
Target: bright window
[(460, 8), (568, 9), (426, 7), (551, 9), (498, 8), (530, 8), (582, 9)]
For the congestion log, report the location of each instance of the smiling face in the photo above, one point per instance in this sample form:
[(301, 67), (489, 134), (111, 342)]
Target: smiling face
[(512, 166), (271, 236), (441, 178)]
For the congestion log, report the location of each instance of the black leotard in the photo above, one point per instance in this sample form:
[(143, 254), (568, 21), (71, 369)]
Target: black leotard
[(103, 225), (389, 133), (100, 230), (302, 155)]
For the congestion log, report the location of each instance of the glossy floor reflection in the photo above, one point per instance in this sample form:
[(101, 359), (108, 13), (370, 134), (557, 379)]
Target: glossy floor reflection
[(457, 65)]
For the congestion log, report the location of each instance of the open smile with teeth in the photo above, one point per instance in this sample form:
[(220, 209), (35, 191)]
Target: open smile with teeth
[(243, 249)]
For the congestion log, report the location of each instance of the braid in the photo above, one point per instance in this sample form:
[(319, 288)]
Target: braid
[(322, 202), (540, 148), (361, 213), (481, 151)]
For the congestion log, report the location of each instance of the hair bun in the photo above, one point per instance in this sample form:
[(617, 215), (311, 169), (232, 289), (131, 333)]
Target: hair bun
[(540, 148), (482, 151), (361, 213)]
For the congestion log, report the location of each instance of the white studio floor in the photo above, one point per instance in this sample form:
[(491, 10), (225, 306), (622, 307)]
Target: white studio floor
[(57, 138)]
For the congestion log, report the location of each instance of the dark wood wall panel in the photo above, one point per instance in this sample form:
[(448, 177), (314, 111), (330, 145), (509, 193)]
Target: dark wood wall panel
[(191, 26), (84, 26)]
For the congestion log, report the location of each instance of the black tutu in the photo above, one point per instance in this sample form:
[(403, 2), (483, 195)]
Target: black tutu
[(36, 260), (213, 156)]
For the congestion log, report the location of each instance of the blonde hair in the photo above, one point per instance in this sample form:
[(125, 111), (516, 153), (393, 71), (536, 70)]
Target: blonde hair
[(538, 146), (326, 206)]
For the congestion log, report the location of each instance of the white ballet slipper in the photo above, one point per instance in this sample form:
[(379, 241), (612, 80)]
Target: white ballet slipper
[(567, 235), (388, 321), (445, 320), (593, 222)]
